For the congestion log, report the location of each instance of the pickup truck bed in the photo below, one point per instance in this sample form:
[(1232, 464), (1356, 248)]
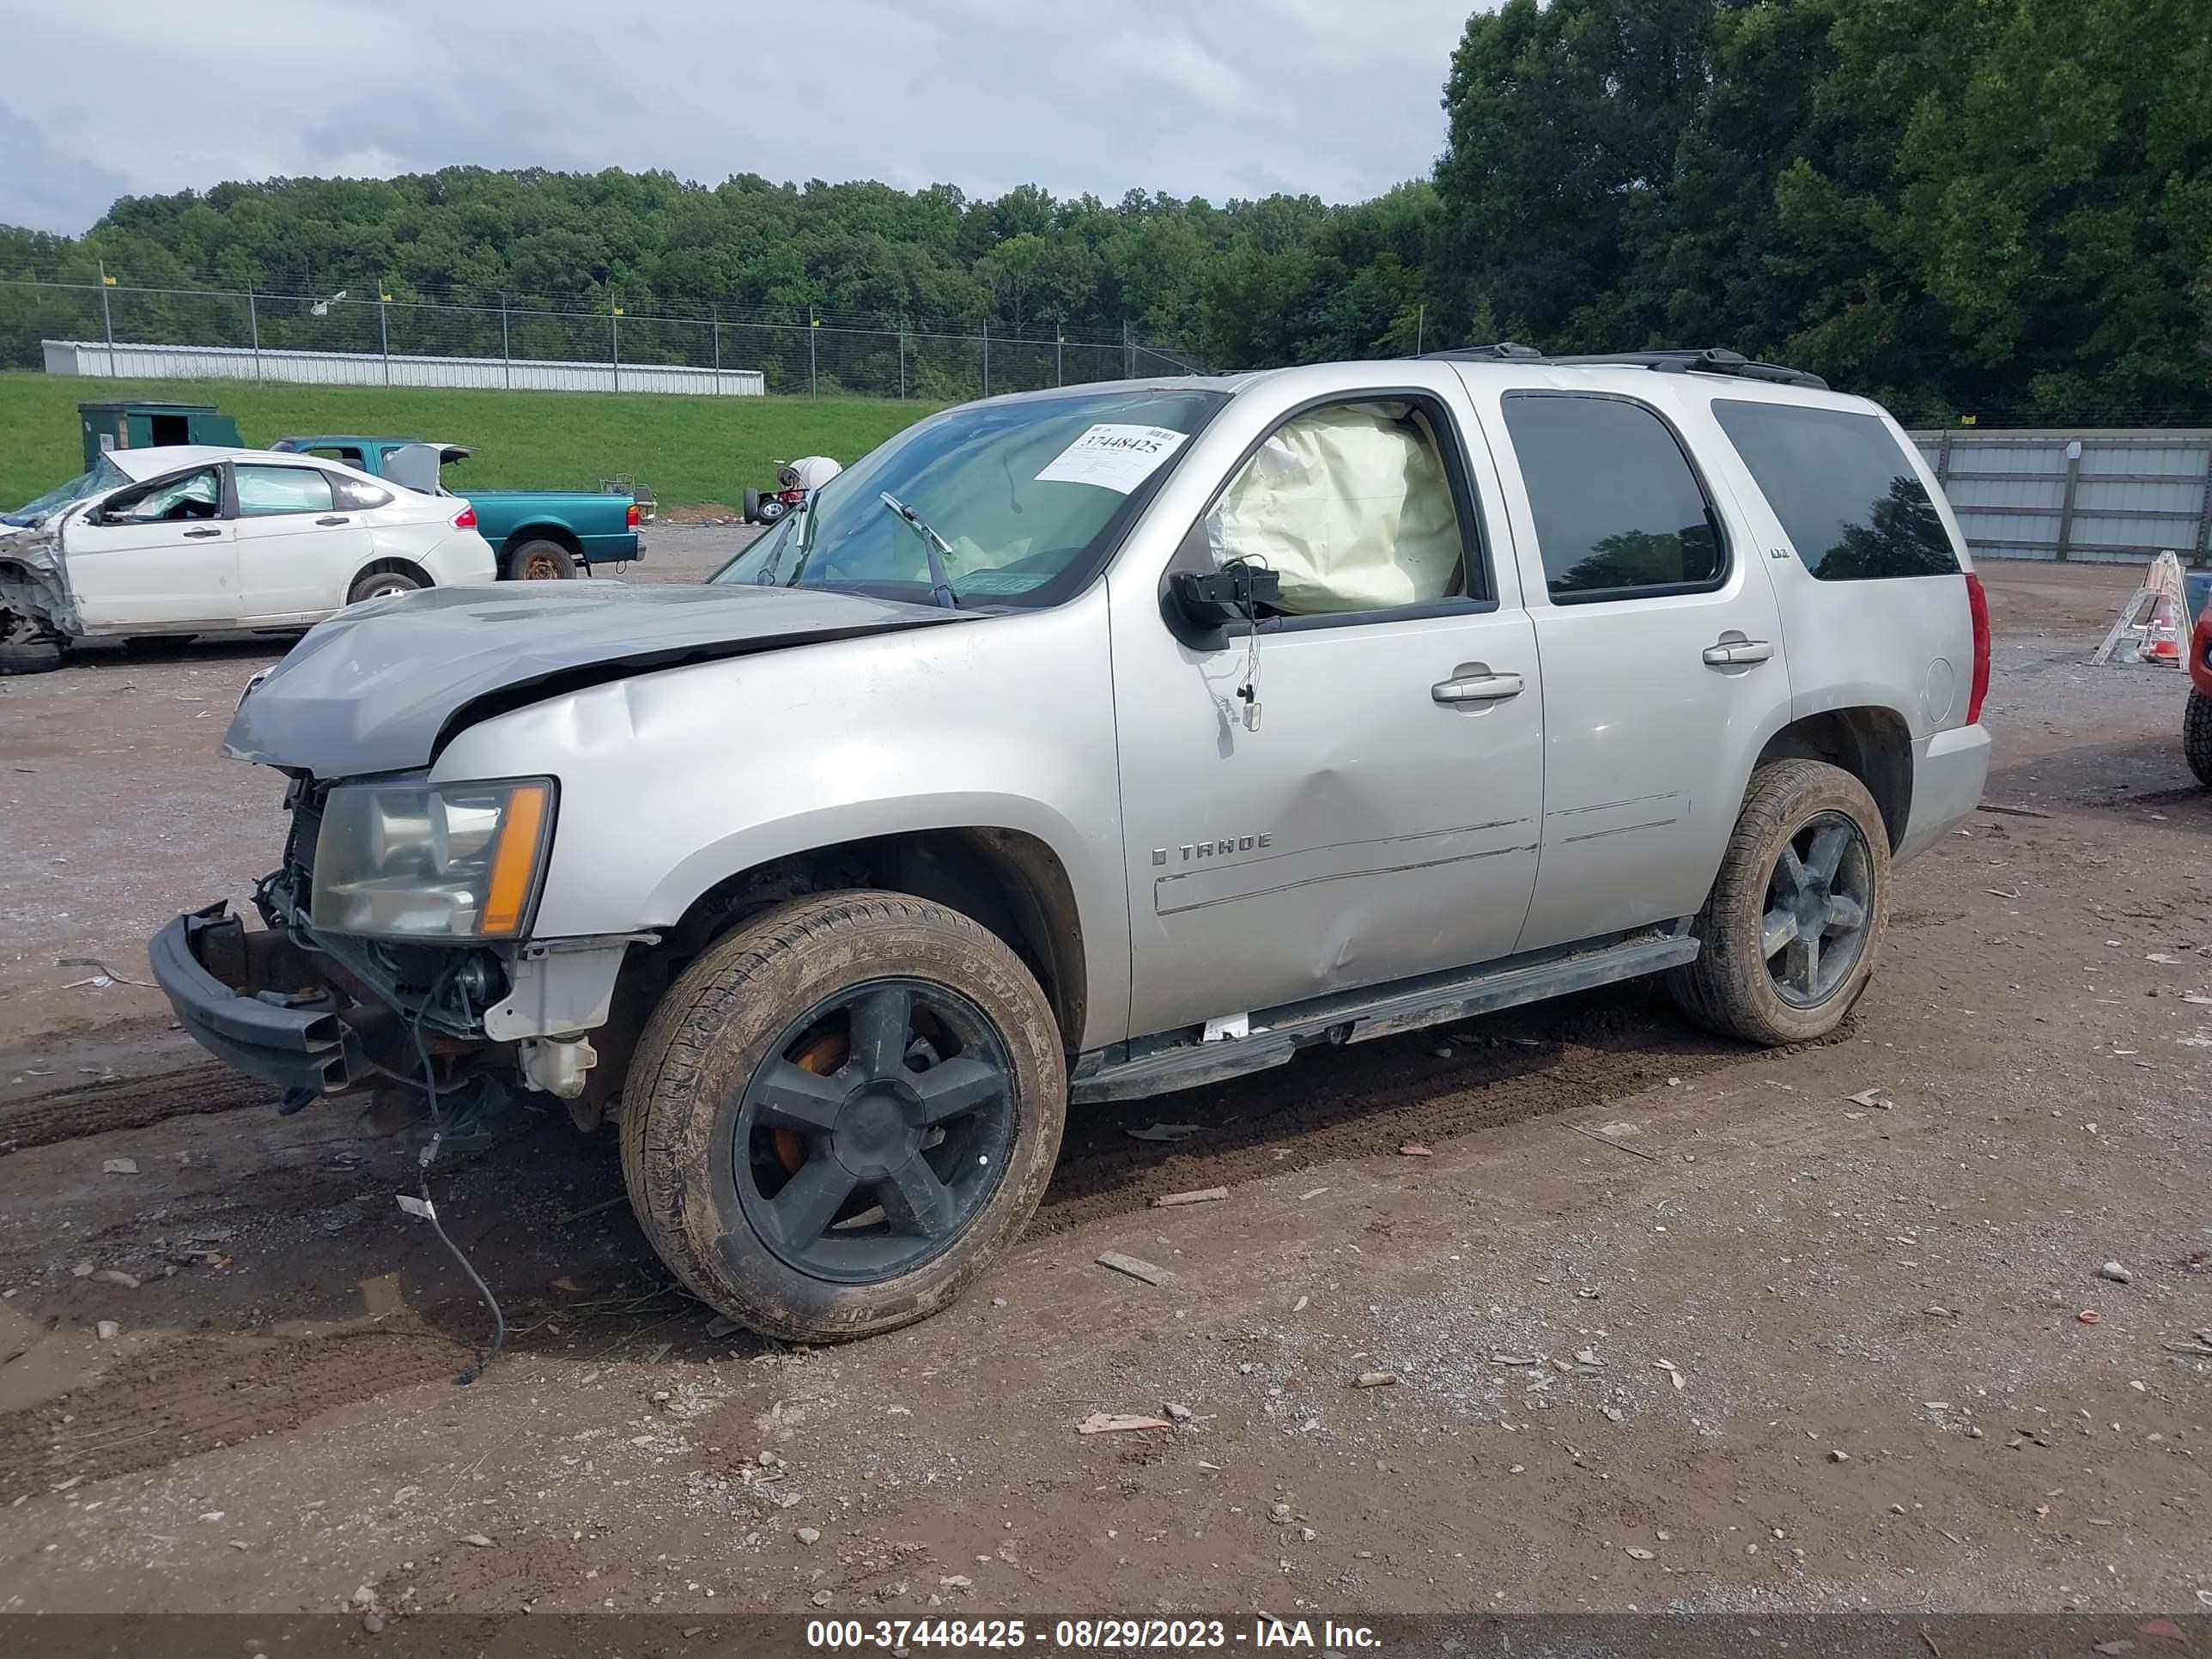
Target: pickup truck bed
[(529, 530)]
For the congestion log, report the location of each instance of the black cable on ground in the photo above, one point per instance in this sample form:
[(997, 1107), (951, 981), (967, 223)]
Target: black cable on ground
[(477, 1368)]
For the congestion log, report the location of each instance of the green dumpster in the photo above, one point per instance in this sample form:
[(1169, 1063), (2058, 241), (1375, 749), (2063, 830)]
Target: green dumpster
[(139, 424)]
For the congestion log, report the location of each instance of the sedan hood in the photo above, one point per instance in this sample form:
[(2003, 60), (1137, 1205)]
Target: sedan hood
[(380, 686)]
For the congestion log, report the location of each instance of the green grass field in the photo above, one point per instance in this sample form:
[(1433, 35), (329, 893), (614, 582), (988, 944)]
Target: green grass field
[(689, 452)]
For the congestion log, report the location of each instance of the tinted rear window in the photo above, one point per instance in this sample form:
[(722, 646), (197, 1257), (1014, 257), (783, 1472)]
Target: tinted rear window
[(1854, 508), (1618, 513)]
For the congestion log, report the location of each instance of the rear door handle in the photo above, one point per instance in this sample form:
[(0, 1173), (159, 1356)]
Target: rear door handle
[(196, 534), (1478, 688), (1738, 653), (335, 518)]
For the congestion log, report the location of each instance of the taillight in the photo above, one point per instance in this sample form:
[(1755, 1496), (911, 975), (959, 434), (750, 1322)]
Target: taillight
[(1978, 606), (465, 518), (629, 519)]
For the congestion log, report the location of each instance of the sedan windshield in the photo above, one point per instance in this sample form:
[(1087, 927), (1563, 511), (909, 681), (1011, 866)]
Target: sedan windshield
[(1028, 496), (104, 477)]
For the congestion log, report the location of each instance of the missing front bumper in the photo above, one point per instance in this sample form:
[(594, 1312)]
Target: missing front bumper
[(251, 998)]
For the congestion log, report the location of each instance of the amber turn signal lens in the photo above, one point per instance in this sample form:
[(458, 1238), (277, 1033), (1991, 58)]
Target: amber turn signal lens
[(515, 862)]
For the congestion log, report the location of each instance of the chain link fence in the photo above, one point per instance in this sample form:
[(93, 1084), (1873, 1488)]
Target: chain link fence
[(148, 333)]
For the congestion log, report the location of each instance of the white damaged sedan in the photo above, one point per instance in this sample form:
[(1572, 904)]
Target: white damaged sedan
[(189, 539)]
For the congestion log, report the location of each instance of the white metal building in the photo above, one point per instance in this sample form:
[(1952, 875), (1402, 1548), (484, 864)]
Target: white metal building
[(100, 360)]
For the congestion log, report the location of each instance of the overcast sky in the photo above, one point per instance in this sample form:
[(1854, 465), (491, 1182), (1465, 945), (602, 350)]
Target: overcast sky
[(1217, 98)]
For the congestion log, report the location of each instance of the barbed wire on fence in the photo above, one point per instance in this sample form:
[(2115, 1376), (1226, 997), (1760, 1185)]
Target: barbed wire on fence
[(224, 334)]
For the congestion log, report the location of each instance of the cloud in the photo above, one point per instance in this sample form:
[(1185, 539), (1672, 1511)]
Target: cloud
[(1230, 98), (43, 186)]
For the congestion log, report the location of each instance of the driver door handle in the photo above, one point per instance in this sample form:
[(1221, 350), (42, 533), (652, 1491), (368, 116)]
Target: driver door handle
[(1478, 688), (1737, 654), (197, 533), (335, 518)]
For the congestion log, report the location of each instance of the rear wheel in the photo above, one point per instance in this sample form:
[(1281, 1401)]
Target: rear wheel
[(382, 585), (540, 561), (841, 1114), (1794, 922), (2196, 736)]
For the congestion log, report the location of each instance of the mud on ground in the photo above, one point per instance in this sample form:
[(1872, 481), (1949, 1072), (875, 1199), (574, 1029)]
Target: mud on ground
[(1672, 1323)]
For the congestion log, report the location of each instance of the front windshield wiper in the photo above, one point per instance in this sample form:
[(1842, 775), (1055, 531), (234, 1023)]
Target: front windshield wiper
[(933, 544)]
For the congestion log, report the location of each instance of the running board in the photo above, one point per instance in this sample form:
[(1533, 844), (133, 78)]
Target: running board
[(1379, 1011)]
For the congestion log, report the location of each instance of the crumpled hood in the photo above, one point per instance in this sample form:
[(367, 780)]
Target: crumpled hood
[(376, 688)]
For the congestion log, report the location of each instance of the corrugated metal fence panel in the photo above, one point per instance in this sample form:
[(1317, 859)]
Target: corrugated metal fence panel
[(2092, 495), (175, 362)]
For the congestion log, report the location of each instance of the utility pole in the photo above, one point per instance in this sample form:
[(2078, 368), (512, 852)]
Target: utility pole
[(901, 349), (987, 356), (384, 331), (106, 317), (1421, 329), (506, 355), (1060, 360), (254, 328), (718, 356), (813, 386), (614, 323)]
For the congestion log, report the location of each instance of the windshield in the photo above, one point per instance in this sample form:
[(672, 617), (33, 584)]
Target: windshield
[(1027, 494), (104, 477)]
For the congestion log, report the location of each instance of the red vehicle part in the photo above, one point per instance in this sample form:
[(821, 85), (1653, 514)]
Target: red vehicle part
[(2200, 652)]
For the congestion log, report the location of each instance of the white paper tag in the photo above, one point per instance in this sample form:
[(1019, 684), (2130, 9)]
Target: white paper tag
[(1118, 458), (1229, 1028), (418, 1206)]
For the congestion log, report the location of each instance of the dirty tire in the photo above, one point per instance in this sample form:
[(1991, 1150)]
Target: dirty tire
[(1728, 989), (382, 584), (752, 506), (30, 656), (2196, 736), (540, 561), (715, 1029)]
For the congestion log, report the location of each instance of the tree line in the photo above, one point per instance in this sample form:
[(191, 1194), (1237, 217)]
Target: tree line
[(1996, 209)]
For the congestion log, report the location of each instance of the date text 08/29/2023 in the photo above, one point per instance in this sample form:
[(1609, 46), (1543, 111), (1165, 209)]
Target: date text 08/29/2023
[(1297, 1635)]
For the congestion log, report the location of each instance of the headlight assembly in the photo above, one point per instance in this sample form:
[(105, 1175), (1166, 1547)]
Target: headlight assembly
[(456, 861)]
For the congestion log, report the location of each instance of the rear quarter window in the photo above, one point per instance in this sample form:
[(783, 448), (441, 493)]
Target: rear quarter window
[(1848, 499)]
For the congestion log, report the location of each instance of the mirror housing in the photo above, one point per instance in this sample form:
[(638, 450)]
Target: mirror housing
[(1208, 598)]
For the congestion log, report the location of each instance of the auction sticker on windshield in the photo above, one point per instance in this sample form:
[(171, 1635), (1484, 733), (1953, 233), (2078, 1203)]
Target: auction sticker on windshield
[(1113, 457)]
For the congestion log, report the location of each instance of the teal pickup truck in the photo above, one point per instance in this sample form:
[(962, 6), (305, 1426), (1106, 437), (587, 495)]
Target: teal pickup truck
[(537, 533)]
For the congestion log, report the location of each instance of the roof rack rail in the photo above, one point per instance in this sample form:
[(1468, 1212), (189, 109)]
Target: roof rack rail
[(1707, 360)]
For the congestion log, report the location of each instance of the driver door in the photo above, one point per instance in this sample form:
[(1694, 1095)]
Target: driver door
[(1379, 820), (161, 557)]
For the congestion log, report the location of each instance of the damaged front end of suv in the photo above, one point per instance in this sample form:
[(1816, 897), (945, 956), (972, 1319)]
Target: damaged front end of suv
[(409, 990)]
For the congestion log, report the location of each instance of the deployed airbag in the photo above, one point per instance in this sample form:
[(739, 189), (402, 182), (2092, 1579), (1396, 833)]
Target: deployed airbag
[(1349, 505)]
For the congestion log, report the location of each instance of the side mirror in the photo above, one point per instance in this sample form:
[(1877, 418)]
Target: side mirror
[(1208, 598)]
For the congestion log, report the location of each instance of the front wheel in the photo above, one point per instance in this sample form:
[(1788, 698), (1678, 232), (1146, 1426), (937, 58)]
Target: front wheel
[(1794, 922), (841, 1113), (2196, 736), (27, 648)]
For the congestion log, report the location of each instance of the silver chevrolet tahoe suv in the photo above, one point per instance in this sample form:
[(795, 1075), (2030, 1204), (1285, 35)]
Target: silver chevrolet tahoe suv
[(1092, 743)]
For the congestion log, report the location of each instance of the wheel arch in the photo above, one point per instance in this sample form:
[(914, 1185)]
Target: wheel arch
[(542, 530), (1872, 743), (1009, 881), (392, 566)]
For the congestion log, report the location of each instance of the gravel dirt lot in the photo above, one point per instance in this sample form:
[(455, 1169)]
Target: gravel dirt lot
[(1671, 1324)]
